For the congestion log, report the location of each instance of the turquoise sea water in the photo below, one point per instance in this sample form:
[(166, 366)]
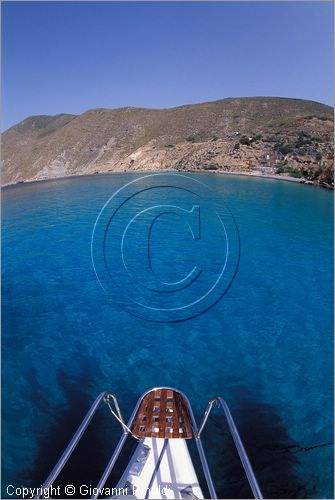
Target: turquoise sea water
[(266, 347)]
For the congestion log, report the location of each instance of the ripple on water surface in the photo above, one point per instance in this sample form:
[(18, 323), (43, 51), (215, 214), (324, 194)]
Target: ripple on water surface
[(266, 346)]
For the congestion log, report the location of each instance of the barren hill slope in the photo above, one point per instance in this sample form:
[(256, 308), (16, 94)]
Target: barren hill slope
[(272, 134)]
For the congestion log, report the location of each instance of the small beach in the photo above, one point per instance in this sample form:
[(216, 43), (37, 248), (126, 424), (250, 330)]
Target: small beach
[(286, 178)]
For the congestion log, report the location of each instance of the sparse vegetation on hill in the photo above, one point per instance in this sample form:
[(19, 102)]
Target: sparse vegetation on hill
[(284, 136)]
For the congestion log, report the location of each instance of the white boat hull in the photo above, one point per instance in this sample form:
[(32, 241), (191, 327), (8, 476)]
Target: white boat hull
[(160, 468)]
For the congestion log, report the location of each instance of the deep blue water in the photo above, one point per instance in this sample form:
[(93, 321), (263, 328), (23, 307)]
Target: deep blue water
[(267, 346)]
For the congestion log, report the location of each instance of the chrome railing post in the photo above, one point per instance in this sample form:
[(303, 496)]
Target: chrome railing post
[(237, 441), (116, 453), (201, 452), (205, 467), (205, 417), (110, 466), (241, 451), (71, 446)]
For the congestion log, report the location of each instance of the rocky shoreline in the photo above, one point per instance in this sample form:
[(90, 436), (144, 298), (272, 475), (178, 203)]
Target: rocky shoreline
[(279, 177)]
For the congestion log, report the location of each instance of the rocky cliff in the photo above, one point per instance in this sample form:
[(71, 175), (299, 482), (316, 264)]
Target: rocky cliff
[(256, 135)]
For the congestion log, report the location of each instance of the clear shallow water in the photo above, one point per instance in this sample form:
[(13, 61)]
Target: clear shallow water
[(266, 346)]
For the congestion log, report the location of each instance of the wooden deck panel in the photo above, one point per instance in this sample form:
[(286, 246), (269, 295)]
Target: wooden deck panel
[(163, 413)]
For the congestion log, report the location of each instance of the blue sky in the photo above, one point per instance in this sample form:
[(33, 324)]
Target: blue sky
[(67, 57)]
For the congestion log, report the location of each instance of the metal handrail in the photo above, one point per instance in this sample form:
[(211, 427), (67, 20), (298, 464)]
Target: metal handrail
[(77, 436), (238, 443), (117, 451), (106, 396)]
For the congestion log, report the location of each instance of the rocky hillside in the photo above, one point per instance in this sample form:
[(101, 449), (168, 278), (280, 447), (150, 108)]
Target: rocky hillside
[(257, 135)]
